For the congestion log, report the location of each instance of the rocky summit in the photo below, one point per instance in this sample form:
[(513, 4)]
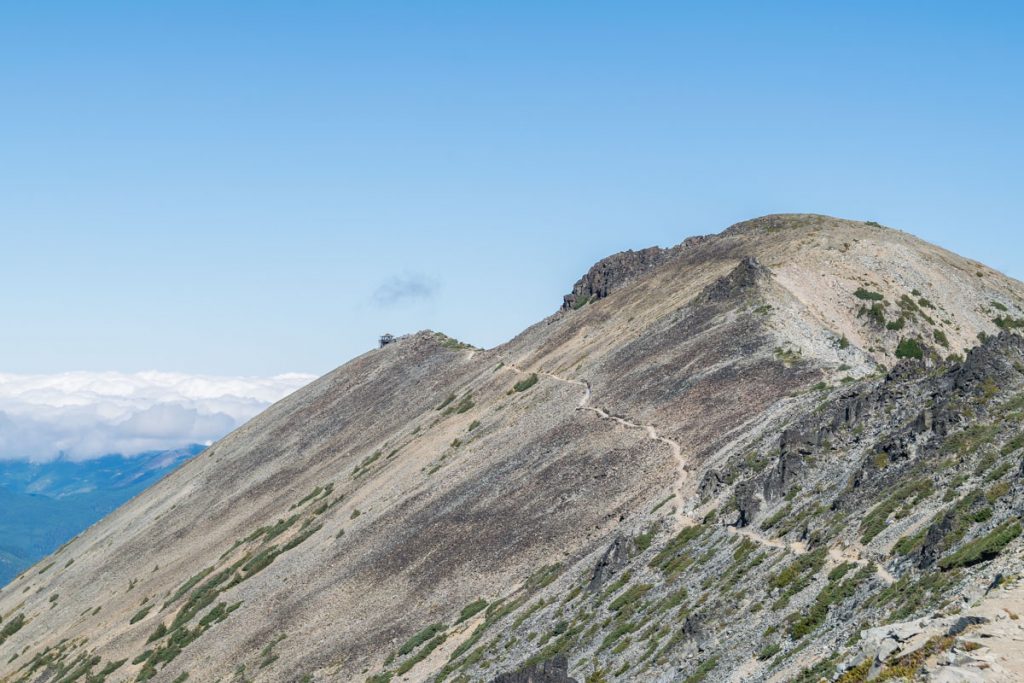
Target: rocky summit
[(791, 451)]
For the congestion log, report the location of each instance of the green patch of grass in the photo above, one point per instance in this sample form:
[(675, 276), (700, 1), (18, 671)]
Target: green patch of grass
[(362, 467), (419, 638), (141, 614), (310, 496), (911, 542), (705, 668), (451, 342), (464, 405), (779, 515), (662, 503), (835, 592), (1014, 444), (971, 439), (471, 610), (630, 596), (983, 549), (643, 541), (525, 384), (768, 651), (671, 559), (904, 498), (544, 576), (1008, 322), (940, 338), (797, 575)]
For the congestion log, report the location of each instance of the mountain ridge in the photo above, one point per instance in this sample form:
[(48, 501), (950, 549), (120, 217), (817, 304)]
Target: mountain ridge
[(537, 484)]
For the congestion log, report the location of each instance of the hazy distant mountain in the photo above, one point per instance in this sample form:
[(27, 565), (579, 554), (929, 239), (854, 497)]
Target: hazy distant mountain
[(763, 455), (43, 505)]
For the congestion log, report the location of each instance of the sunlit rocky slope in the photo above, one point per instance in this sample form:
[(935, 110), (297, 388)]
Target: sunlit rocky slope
[(727, 460)]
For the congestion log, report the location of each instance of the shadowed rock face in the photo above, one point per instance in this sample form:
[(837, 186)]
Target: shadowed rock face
[(430, 511), (610, 273), (555, 670)]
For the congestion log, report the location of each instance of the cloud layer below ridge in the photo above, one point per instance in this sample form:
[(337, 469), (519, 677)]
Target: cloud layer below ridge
[(82, 415)]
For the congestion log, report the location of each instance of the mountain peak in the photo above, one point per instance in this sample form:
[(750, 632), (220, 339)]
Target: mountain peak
[(700, 468)]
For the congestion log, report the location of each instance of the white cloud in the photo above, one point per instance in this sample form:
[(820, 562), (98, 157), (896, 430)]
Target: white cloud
[(88, 414)]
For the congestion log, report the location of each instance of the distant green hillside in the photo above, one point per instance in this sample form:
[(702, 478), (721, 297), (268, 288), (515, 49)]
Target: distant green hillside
[(43, 505)]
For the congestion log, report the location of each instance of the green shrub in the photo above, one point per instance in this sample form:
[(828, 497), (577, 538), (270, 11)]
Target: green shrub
[(941, 339), (525, 384), (867, 295), (768, 651), (875, 314), (12, 626), (909, 348)]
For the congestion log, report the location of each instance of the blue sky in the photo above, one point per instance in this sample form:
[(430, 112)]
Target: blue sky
[(263, 187)]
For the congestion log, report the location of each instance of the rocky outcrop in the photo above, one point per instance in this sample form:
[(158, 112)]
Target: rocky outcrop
[(610, 273), (741, 280), (555, 670), (611, 562)]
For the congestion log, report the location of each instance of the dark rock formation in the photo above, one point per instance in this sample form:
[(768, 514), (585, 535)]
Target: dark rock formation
[(555, 670), (741, 280), (611, 562), (748, 503), (612, 272), (711, 484), (962, 623)]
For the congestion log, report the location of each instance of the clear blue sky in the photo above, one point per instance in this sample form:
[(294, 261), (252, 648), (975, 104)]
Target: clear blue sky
[(259, 187)]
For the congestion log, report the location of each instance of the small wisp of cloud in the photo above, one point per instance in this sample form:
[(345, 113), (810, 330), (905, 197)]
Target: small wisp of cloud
[(406, 289)]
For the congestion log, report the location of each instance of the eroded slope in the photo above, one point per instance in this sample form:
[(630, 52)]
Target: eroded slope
[(679, 477)]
